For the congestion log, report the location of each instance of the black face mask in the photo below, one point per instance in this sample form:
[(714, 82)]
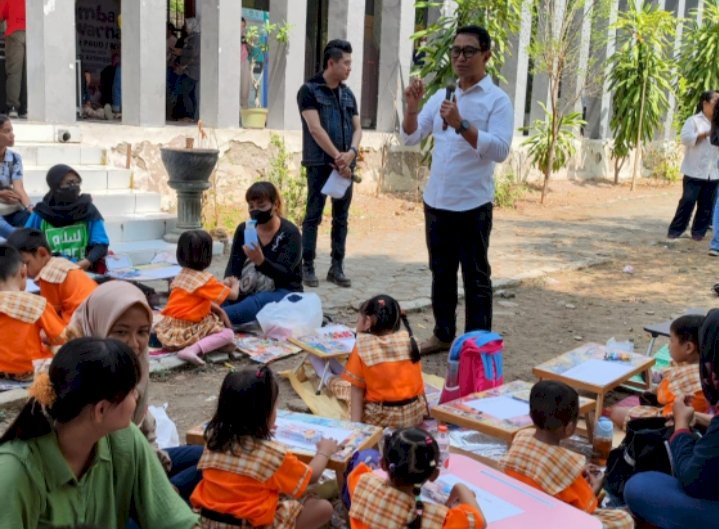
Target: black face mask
[(67, 195), (261, 216)]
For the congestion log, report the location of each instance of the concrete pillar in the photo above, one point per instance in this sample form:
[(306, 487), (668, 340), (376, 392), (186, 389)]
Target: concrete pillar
[(345, 20), (449, 7), (220, 62), (51, 69), (144, 70), (516, 67), (395, 60), (287, 64), (548, 30), (599, 106), (575, 79), (678, 7)]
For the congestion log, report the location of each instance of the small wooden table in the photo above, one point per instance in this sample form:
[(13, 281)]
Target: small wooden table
[(462, 413), (585, 368), (506, 503), (300, 431)]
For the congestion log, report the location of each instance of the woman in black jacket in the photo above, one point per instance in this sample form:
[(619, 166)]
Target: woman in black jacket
[(690, 498)]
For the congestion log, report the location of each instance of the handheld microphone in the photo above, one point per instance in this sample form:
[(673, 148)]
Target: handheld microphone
[(448, 96)]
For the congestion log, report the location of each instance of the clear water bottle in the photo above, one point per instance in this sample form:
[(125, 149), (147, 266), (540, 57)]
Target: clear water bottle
[(443, 441), (603, 437), (251, 233)]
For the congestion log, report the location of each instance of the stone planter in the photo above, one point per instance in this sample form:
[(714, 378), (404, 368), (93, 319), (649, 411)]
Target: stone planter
[(189, 171), (254, 118)]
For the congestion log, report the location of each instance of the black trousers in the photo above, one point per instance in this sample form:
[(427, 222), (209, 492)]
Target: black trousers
[(699, 192), (316, 178), (454, 239)]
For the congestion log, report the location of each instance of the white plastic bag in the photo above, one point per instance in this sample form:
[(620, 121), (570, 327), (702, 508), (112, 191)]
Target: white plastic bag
[(297, 314), (167, 436)]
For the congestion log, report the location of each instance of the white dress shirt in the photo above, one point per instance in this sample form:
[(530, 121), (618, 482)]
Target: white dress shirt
[(700, 159), (461, 177)]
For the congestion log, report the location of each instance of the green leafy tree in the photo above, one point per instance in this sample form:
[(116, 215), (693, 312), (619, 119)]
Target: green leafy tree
[(500, 18), (698, 64), (556, 52), (640, 79)]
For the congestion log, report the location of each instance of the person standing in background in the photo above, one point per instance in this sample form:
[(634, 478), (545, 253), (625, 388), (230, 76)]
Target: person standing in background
[(13, 13)]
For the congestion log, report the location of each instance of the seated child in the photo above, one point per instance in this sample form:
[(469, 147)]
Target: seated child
[(244, 472), (62, 283), (680, 380), (193, 323), (384, 368), (535, 457), (23, 316), (411, 458)]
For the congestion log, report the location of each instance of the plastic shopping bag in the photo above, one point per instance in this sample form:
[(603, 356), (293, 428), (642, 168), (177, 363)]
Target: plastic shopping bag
[(297, 314), (167, 436)]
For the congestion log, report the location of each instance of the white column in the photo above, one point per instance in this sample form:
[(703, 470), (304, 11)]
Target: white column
[(575, 77), (516, 67), (395, 60), (287, 64), (144, 70), (548, 30), (51, 71), (599, 107), (345, 20), (220, 62), (679, 13)]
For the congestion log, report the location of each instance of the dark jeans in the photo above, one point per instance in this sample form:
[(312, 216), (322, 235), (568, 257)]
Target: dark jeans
[(9, 223), (659, 499), (455, 238), (184, 474), (245, 310), (316, 178), (189, 93), (699, 192)]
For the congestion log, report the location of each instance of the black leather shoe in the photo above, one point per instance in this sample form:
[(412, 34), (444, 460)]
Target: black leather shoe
[(308, 276), (338, 277)]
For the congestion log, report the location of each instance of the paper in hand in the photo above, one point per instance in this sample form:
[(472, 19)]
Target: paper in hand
[(336, 185)]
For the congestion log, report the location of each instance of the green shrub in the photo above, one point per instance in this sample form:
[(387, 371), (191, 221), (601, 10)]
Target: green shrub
[(291, 185), (663, 161), (508, 190)]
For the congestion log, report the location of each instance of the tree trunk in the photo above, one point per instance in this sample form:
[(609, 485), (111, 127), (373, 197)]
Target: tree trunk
[(638, 144)]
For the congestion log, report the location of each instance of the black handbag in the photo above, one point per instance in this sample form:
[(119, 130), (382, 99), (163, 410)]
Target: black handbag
[(645, 447)]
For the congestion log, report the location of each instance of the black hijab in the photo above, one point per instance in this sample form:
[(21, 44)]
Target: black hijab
[(709, 351), (60, 214)]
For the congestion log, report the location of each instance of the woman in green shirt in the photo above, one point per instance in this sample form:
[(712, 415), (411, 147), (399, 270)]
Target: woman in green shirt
[(73, 457)]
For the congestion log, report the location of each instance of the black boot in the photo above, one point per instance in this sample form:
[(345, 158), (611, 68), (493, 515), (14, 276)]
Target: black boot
[(308, 275), (337, 276)]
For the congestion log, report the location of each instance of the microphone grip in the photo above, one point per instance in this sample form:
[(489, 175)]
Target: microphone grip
[(448, 95)]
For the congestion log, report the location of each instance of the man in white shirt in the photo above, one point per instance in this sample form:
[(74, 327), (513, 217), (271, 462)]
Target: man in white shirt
[(472, 131)]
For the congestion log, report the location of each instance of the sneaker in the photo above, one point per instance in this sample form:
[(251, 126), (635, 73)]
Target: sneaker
[(698, 238), (12, 113), (714, 253), (673, 235), (337, 276), (308, 275), (434, 345), (107, 112)]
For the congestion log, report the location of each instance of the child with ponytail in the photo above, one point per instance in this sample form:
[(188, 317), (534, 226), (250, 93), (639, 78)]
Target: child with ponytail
[(384, 369), (410, 457)]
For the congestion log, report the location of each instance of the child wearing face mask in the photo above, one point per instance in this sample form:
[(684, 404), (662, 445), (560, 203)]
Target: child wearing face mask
[(193, 322), (270, 269), (72, 224)]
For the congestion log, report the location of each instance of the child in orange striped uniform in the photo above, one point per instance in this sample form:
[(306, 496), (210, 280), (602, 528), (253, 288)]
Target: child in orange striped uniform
[(194, 323), (384, 369), (244, 472), (411, 458), (535, 457), (680, 380)]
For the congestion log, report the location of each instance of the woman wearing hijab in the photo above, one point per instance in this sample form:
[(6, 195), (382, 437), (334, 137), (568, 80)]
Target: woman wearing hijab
[(72, 224), (119, 310), (689, 498)]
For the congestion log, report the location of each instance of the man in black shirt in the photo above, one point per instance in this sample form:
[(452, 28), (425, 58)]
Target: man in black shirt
[(331, 134)]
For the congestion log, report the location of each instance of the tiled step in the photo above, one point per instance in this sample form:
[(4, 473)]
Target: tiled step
[(94, 178), (48, 154), (142, 252), (44, 133), (114, 203), (139, 227)]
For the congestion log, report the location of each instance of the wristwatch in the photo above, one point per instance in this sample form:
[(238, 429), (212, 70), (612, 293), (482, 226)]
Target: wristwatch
[(354, 150), (463, 125)]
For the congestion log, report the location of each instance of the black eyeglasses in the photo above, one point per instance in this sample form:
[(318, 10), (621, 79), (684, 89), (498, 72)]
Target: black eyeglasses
[(467, 51)]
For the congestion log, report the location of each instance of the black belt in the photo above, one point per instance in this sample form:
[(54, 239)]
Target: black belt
[(397, 403), (223, 518)]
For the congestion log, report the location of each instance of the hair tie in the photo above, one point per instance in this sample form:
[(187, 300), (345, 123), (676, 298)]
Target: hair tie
[(42, 391), (259, 373), (428, 440), (380, 302), (392, 467)]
